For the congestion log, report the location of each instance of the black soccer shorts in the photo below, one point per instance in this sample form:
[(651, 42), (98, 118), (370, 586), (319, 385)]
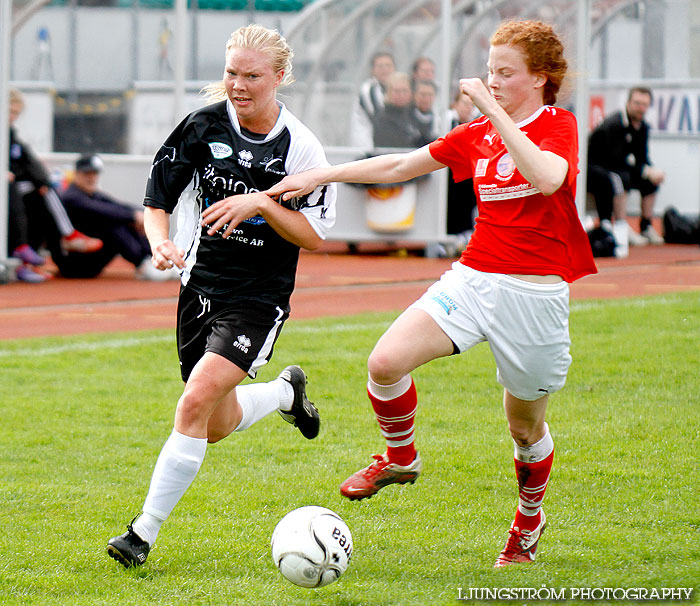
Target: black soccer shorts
[(244, 332)]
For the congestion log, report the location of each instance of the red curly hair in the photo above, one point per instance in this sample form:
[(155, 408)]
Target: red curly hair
[(544, 52)]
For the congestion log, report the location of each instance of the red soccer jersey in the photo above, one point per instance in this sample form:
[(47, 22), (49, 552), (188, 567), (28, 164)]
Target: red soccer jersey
[(519, 230)]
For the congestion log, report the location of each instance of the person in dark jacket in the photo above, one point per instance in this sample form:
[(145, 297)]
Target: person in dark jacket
[(117, 224), (394, 125), (618, 161)]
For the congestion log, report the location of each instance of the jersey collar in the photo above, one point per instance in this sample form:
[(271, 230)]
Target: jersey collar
[(533, 117), (276, 129)]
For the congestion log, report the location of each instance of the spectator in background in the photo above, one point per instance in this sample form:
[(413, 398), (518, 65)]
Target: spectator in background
[(394, 125), (461, 199), (370, 100), (117, 224), (423, 70), (424, 116), (618, 161), (17, 237), (33, 183)]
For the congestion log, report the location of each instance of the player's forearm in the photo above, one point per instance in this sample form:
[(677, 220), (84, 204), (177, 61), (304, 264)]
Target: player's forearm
[(156, 223), (544, 170), (291, 225)]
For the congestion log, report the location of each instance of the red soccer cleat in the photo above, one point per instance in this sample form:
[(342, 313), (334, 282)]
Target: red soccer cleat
[(521, 544), (372, 478)]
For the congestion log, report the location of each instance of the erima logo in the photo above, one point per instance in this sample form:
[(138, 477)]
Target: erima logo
[(244, 158), (242, 342), (220, 150)]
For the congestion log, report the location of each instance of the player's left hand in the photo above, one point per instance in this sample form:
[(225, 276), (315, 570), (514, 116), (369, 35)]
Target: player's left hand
[(225, 215)]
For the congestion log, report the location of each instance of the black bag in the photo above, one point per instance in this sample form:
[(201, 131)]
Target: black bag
[(602, 242), (679, 229)]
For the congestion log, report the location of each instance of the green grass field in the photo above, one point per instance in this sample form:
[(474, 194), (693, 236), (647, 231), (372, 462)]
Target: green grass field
[(84, 418)]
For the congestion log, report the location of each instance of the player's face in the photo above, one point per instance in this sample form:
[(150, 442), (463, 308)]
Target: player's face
[(250, 82), (517, 90)]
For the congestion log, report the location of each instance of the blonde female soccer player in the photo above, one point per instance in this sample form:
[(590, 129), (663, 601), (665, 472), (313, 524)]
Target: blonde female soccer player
[(237, 251)]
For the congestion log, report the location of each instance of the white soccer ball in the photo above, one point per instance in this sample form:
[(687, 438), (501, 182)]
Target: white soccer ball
[(311, 546)]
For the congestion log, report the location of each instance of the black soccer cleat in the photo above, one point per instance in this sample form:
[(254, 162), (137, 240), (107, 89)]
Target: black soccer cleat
[(303, 414), (128, 549)]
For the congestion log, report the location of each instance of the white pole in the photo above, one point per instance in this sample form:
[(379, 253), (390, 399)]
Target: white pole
[(443, 101), (5, 35), (581, 100), (180, 60)]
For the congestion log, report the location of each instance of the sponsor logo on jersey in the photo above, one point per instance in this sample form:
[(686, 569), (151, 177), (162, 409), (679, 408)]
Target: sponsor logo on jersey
[(244, 158), (505, 166), (242, 342), (220, 150), (481, 166), (273, 165)]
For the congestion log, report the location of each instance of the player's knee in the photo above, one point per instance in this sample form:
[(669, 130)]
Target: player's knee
[(192, 407), (383, 368), (524, 434)]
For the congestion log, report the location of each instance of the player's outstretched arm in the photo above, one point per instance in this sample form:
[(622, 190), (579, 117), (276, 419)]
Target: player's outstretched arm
[(388, 168)]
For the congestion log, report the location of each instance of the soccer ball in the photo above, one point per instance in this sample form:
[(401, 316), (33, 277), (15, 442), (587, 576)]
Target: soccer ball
[(311, 546)]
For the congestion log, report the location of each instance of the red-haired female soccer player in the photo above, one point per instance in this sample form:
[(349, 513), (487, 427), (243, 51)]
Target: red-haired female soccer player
[(510, 286)]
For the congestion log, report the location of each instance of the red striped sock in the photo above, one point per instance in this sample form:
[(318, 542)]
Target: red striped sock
[(396, 421), (532, 484)]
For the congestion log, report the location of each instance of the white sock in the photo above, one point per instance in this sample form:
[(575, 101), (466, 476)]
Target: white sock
[(389, 392), (536, 452), (257, 400), (176, 467)]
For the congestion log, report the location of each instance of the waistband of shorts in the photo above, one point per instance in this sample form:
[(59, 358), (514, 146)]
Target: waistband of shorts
[(555, 289)]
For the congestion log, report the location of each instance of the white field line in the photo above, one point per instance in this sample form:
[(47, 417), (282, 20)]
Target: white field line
[(292, 327), (125, 342)]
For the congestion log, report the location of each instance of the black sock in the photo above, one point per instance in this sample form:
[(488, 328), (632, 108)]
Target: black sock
[(644, 223)]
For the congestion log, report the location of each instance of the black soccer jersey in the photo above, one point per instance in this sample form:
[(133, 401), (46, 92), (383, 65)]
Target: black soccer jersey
[(208, 158)]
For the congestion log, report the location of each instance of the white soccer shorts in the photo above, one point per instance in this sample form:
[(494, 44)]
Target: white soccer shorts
[(525, 324)]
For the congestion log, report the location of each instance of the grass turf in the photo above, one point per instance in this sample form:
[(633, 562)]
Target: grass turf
[(84, 419)]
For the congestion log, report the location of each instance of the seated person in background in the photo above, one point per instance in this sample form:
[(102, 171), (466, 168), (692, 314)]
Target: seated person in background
[(427, 121), (618, 160), (118, 225), (393, 124), (18, 239), (33, 184), (370, 100)]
